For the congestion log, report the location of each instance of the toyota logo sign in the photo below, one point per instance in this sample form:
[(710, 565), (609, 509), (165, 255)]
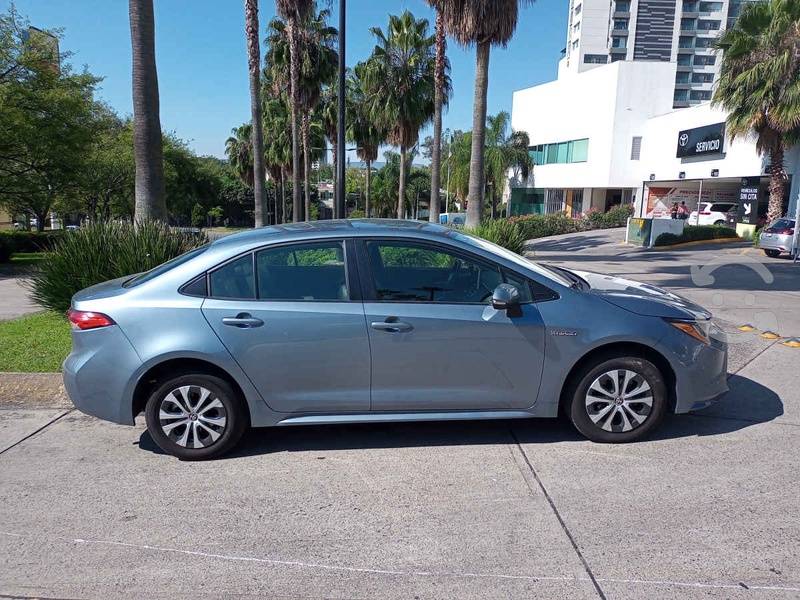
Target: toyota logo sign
[(684, 139)]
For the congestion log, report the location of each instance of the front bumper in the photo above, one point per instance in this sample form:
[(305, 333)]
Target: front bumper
[(701, 370), (97, 371)]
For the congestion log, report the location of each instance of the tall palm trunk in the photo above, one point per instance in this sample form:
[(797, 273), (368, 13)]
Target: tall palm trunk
[(283, 195), (294, 85), (436, 151), (475, 194), (257, 135), (777, 182), (334, 150), (150, 202), (401, 195), (367, 194), (307, 166)]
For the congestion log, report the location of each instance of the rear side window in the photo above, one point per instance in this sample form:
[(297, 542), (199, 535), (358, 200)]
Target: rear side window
[(312, 271), (234, 279), (721, 207)]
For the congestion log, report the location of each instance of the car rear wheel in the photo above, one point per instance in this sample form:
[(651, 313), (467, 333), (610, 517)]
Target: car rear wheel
[(719, 222), (195, 416), (772, 253), (618, 399)]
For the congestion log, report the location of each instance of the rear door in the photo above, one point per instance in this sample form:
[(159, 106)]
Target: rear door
[(437, 344), (292, 317)]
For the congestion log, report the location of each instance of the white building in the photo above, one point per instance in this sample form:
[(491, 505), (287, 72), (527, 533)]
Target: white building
[(605, 134), (677, 31)]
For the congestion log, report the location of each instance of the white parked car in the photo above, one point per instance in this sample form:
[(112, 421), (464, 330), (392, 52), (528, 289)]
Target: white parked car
[(711, 213)]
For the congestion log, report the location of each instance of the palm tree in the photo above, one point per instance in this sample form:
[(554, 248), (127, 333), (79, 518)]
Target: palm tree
[(504, 152), (440, 99), (328, 112), (294, 12), (239, 150), (482, 23), (254, 66), (150, 201), (400, 85), (759, 84), (362, 129), (318, 59), (277, 148)]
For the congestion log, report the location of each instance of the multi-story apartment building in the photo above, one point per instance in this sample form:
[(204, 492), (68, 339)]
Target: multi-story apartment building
[(679, 31)]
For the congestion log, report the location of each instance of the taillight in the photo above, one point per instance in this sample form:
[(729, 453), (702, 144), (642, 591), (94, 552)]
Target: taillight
[(705, 213), (83, 319), (784, 231)]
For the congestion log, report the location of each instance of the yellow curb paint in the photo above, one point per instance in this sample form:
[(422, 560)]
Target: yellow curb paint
[(791, 343), (745, 328), (770, 335), (697, 243)]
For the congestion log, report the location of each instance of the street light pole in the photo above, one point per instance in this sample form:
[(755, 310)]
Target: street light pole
[(339, 208)]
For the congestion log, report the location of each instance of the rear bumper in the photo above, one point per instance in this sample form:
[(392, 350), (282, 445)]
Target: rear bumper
[(97, 371), (783, 243)]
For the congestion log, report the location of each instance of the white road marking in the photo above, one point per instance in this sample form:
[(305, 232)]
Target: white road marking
[(412, 573)]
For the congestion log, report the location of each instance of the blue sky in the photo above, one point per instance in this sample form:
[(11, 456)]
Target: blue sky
[(202, 63)]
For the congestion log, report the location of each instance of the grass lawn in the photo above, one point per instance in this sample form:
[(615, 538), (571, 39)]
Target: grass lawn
[(27, 259), (34, 344)]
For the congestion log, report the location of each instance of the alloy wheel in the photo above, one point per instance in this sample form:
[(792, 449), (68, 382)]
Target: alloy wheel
[(192, 416), (619, 400)]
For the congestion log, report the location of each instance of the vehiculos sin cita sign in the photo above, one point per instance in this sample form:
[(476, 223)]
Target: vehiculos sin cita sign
[(709, 139)]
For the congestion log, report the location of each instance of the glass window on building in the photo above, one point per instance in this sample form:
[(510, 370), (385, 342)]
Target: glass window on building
[(555, 201), (580, 150), (619, 42), (616, 57), (700, 95), (682, 77), (689, 6), (702, 77), (707, 25), (636, 147), (685, 60), (710, 6), (681, 96), (623, 6), (704, 61), (703, 42), (621, 24), (577, 202), (595, 59), (687, 24), (685, 42)]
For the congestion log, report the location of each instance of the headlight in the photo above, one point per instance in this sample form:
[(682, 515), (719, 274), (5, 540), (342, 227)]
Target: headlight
[(699, 330)]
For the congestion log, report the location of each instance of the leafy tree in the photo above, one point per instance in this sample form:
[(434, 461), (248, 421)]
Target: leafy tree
[(148, 152), (400, 85), (293, 12), (256, 133), (759, 84), (198, 215), (482, 23), (239, 150), (47, 120), (504, 152)]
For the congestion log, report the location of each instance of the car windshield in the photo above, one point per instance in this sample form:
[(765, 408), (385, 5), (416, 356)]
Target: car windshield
[(163, 268), (783, 224), (551, 274)]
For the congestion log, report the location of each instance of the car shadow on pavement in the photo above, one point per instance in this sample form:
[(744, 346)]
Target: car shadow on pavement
[(746, 404)]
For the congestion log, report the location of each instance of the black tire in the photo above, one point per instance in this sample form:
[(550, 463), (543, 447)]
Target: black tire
[(231, 408), (772, 253), (579, 409), (719, 222)]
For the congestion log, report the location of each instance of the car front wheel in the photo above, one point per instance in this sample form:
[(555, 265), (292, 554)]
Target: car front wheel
[(772, 253), (618, 399), (195, 416)]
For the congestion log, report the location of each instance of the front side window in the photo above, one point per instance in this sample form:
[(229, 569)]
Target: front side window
[(309, 271), (411, 272), (234, 279)]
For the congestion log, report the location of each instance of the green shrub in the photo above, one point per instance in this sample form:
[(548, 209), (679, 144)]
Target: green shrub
[(357, 213), (32, 241), (5, 250), (537, 226), (103, 251), (503, 232), (695, 233)]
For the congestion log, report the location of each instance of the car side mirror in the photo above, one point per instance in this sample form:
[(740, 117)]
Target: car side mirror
[(506, 297)]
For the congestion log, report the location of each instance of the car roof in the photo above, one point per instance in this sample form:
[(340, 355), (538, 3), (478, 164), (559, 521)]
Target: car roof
[(332, 228)]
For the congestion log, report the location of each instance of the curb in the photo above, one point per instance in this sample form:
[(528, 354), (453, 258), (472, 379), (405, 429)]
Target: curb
[(33, 390), (697, 243)]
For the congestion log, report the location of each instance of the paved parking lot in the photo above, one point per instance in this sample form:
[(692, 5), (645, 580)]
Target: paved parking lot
[(706, 508)]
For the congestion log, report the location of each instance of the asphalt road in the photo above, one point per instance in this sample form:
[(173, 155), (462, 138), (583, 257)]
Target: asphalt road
[(706, 508)]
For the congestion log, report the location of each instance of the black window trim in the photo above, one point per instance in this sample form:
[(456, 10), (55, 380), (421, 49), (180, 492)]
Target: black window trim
[(368, 286), (352, 283)]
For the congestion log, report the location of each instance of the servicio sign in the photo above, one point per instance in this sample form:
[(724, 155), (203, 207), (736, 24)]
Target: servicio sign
[(708, 139)]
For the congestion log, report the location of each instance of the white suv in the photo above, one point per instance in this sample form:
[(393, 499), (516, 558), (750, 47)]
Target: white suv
[(711, 213)]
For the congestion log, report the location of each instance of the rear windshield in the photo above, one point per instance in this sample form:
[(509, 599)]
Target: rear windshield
[(783, 224), (163, 268)]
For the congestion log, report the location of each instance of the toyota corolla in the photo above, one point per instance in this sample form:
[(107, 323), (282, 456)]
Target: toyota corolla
[(375, 321)]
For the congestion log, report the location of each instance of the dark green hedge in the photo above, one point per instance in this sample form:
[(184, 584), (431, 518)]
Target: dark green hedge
[(695, 233), (538, 226), (5, 250), (31, 241)]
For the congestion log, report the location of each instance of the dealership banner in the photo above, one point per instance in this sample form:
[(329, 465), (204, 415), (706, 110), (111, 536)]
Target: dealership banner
[(709, 139)]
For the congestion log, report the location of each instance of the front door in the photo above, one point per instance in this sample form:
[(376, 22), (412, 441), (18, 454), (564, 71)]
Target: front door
[(286, 315), (437, 344)]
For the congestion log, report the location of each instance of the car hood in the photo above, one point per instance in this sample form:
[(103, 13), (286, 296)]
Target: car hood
[(642, 298)]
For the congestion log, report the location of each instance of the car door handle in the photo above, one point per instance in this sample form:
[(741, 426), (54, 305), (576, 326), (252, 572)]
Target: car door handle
[(391, 326), (243, 321)]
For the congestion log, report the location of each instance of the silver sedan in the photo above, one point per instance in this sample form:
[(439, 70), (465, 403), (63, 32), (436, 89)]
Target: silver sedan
[(376, 321)]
